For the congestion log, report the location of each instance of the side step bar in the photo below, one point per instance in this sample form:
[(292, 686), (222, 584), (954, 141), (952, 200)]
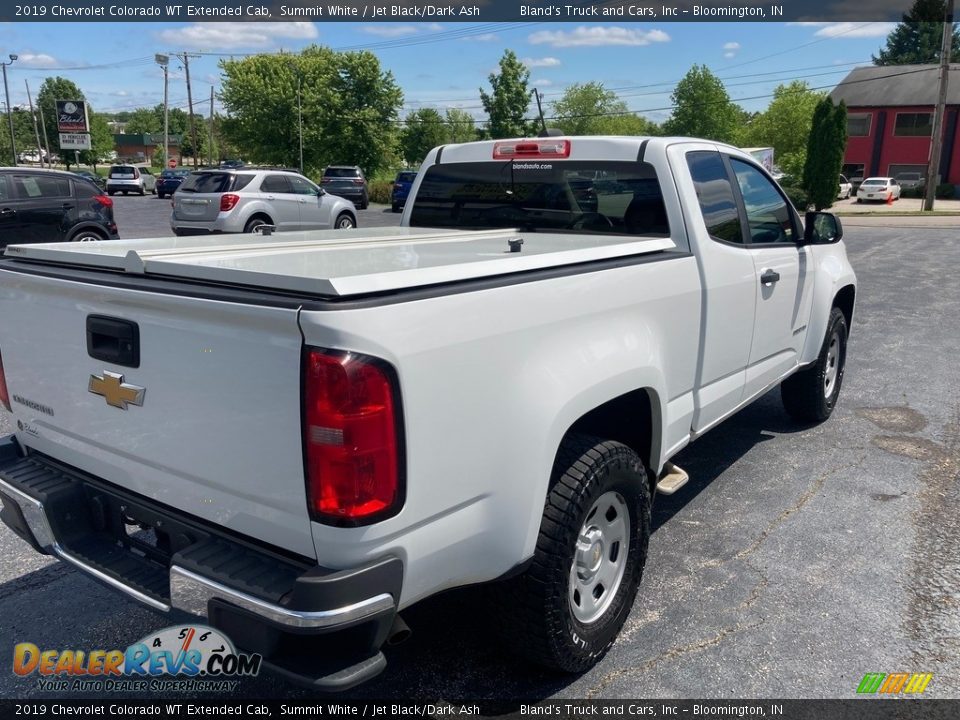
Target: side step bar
[(672, 479)]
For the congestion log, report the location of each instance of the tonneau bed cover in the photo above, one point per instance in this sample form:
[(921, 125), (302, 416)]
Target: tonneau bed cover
[(342, 263)]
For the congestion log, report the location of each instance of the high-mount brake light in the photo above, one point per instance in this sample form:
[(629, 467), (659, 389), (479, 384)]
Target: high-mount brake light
[(547, 148), (228, 201), (351, 438)]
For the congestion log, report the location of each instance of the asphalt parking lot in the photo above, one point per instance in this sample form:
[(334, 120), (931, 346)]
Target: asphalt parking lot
[(794, 562), (149, 216)]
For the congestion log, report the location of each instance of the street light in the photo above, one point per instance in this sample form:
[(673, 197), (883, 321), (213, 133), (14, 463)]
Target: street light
[(6, 90), (164, 62)]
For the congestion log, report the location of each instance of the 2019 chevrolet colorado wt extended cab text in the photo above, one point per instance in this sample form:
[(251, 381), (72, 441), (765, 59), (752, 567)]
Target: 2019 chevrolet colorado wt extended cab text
[(318, 430)]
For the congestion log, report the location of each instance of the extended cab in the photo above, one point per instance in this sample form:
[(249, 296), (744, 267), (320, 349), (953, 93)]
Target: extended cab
[(298, 437)]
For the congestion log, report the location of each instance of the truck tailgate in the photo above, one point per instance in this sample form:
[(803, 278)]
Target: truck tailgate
[(217, 431)]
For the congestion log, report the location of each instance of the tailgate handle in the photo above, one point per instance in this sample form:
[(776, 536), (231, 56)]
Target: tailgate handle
[(113, 340)]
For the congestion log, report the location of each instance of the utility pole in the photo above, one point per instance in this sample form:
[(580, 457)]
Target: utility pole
[(210, 148), (164, 62), (300, 118), (6, 90), (185, 57), (936, 140), (543, 123), (46, 142), (36, 131)]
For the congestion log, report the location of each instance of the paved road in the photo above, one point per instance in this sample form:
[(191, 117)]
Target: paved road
[(795, 561), (149, 216)]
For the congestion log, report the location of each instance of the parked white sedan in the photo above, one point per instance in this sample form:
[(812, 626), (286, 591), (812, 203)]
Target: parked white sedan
[(879, 188)]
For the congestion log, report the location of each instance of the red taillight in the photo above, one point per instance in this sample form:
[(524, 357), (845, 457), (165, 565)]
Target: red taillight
[(531, 148), (351, 438), (358, 181), (228, 201), (104, 200), (4, 395)]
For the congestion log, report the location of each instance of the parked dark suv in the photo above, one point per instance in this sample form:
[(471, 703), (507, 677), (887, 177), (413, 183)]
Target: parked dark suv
[(348, 182), (50, 206)]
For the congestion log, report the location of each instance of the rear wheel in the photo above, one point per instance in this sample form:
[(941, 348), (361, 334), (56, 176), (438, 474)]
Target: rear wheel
[(344, 222), (87, 235), (566, 610), (811, 394), (395, 208), (254, 223)]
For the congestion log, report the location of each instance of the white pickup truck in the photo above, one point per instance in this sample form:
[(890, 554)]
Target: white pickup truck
[(299, 436)]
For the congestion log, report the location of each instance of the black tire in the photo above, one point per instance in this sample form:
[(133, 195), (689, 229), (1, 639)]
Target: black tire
[(538, 607), (344, 221), (810, 395), (395, 208), (111, 193), (160, 196), (254, 223)]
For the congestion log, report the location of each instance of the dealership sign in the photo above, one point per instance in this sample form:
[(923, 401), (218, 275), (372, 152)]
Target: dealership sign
[(72, 116), (74, 141)]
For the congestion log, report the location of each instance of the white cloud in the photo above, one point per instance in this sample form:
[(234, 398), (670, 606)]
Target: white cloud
[(40, 60), (391, 31), (585, 36), (729, 54), (541, 62), (731, 46), (236, 36), (849, 29), (541, 83), (485, 37)]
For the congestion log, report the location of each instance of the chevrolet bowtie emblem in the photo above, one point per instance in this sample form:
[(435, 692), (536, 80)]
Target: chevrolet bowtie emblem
[(117, 393)]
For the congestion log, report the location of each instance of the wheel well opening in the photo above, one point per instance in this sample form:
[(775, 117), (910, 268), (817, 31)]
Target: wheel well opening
[(627, 419), (844, 301), (261, 216)]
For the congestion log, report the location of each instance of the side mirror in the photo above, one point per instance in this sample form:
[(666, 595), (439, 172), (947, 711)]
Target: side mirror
[(321, 192), (822, 228)]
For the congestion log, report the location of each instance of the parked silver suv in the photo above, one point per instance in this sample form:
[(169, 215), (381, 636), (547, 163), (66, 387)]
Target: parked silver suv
[(239, 200)]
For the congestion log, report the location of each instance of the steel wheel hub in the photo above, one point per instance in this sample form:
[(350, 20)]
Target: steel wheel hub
[(600, 558), (833, 365)]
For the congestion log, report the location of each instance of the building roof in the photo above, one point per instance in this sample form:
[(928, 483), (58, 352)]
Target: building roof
[(896, 85)]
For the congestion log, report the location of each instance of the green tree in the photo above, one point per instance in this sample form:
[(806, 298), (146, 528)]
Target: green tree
[(425, 129), (785, 126), (23, 134), (101, 140), (53, 89), (350, 108), (702, 108), (507, 102), (918, 38), (825, 146), (460, 126), (583, 107), (627, 125)]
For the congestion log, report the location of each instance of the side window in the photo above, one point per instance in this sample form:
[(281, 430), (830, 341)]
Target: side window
[(6, 188), (276, 183), (302, 186), (715, 194), (85, 189), (769, 217), (40, 186)]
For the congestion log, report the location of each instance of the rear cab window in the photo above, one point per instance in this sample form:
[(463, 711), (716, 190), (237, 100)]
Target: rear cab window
[(406, 177), (342, 173), (575, 196), (123, 172)]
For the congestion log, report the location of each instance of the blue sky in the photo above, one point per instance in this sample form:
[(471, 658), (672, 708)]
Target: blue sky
[(443, 65)]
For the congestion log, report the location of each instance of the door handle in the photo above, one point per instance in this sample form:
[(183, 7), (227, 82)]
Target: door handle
[(8, 212), (769, 277)]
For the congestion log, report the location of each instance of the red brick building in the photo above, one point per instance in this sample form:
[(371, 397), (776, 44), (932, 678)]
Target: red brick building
[(890, 120)]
